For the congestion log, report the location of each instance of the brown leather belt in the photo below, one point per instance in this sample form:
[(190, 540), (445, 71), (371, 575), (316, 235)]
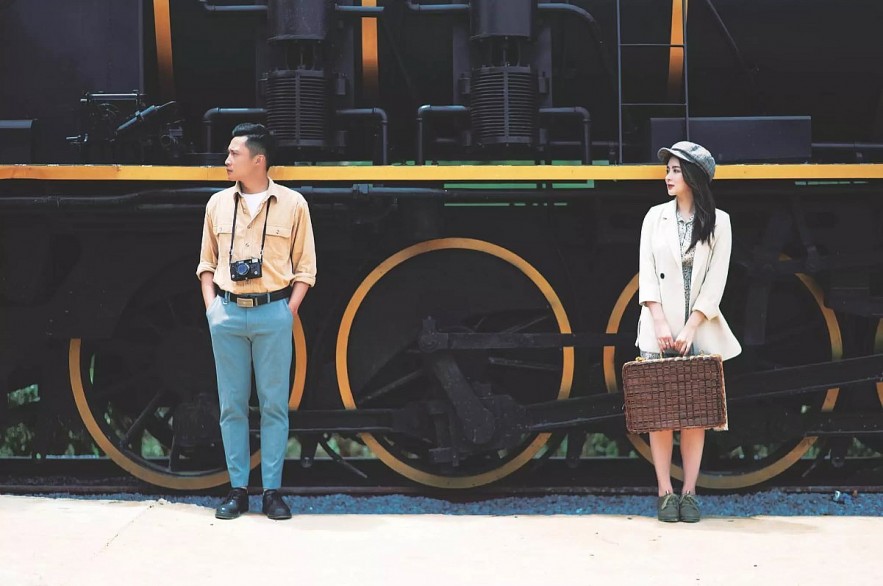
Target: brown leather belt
[(255, 299)]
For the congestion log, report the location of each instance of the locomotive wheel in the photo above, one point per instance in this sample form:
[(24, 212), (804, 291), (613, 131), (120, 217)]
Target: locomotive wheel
[(878, 347), (129, 388), (870, 402), (799, 324), (469, 286)]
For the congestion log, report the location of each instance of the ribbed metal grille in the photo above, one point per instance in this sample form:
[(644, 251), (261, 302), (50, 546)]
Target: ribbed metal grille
[(504, 105), (297, 107)]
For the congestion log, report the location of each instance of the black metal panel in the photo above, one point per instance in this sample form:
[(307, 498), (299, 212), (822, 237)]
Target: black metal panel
[(16, 141), (53, 51), (739, 139)]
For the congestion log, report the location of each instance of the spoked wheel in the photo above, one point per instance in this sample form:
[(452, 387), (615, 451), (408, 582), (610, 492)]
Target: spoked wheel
[(466, 286), (868, 400), (148, 395), (874, 441), (878, 347), (765, 436)]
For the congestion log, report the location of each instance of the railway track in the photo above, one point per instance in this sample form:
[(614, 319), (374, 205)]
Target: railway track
[(603, 476)]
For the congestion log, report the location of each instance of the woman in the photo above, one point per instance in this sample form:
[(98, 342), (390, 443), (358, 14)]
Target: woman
[(685, 256)]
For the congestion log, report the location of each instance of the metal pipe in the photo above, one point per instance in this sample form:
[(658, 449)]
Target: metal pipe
[(146, 116), (359, 10), (436, 8), (240, 9), (594, 32), (426, 109), (195, 197), (858, 146), (380, 114), (565, 7), (586, 122), (212, 114), (262, 8), (61, 202), (100, 96)]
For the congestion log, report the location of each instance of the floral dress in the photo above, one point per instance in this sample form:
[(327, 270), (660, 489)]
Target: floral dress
[(685, 237)]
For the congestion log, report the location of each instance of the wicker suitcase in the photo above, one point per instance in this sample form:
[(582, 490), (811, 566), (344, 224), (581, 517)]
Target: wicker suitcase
[(674, 393)]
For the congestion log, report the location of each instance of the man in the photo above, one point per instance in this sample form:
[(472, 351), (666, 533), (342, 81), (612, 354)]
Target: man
[(257, 261)]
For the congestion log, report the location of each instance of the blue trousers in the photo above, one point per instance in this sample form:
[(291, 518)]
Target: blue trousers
[(242, 337)]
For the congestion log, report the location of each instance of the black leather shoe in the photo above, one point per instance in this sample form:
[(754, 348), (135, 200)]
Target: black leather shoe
[(274, 507), (234, 505)]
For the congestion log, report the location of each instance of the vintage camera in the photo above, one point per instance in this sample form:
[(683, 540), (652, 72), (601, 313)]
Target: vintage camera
[(242, 270)]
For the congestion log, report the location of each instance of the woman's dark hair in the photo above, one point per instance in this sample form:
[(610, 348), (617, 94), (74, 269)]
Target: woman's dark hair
[(258, 140), (703, 201)]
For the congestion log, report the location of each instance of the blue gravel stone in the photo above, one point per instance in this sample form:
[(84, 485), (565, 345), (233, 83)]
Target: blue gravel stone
[(769, 503)]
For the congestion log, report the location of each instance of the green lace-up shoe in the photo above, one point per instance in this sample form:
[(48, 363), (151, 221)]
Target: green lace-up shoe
[(689, 508), (668, 508)]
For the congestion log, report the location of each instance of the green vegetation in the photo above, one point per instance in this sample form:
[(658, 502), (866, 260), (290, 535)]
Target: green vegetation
[(18, 438)]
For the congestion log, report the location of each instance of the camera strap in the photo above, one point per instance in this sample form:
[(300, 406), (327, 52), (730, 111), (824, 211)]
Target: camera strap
[(233, 232)]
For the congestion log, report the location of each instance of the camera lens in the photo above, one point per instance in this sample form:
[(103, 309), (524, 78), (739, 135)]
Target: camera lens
[(241, 268)]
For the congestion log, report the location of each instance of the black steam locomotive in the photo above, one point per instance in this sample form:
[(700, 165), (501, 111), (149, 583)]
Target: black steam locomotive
[(477, 172)]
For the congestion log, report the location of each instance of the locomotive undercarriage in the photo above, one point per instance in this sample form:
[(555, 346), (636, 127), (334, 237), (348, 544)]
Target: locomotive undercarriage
[(458, 347), (469, 320)]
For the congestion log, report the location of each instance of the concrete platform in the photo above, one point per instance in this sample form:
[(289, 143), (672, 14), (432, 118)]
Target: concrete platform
[(60, 542)]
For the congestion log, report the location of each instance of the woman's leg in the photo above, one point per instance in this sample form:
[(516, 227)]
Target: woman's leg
[(692, 442), (661, 443)]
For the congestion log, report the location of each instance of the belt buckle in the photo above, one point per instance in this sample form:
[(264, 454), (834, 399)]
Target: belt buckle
[(245, 302)]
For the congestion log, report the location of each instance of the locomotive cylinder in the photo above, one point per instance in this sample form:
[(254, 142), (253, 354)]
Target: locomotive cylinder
[(296, 93), (503, 18), (503, 87), (297, 107), (298, 20), (504, 105)]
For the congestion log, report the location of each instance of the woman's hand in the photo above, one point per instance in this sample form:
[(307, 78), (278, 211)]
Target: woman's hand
[(684, 341), (663, 335), (660, 326)]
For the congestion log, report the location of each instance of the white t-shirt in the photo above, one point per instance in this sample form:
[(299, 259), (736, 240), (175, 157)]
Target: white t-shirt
[(253, 200)]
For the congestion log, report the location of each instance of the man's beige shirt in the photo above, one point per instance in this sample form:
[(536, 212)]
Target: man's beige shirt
[(289, 251)]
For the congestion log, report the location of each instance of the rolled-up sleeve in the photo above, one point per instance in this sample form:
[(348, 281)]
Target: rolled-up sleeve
[(712, 288), (208, 254), (303, 247), (648, 285)]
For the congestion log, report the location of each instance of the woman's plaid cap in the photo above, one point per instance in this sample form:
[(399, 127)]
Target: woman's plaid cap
[(692, 152)]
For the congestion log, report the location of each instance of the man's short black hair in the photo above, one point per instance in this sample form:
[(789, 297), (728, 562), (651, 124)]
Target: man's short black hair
[(258, 140)]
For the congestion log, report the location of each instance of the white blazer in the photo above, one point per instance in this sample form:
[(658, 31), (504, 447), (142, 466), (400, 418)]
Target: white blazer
[(661, 280)]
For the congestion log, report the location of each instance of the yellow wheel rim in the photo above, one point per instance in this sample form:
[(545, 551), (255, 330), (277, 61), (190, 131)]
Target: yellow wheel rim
[(735, 480), (878, 347), (152, 475), (346, 392)]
